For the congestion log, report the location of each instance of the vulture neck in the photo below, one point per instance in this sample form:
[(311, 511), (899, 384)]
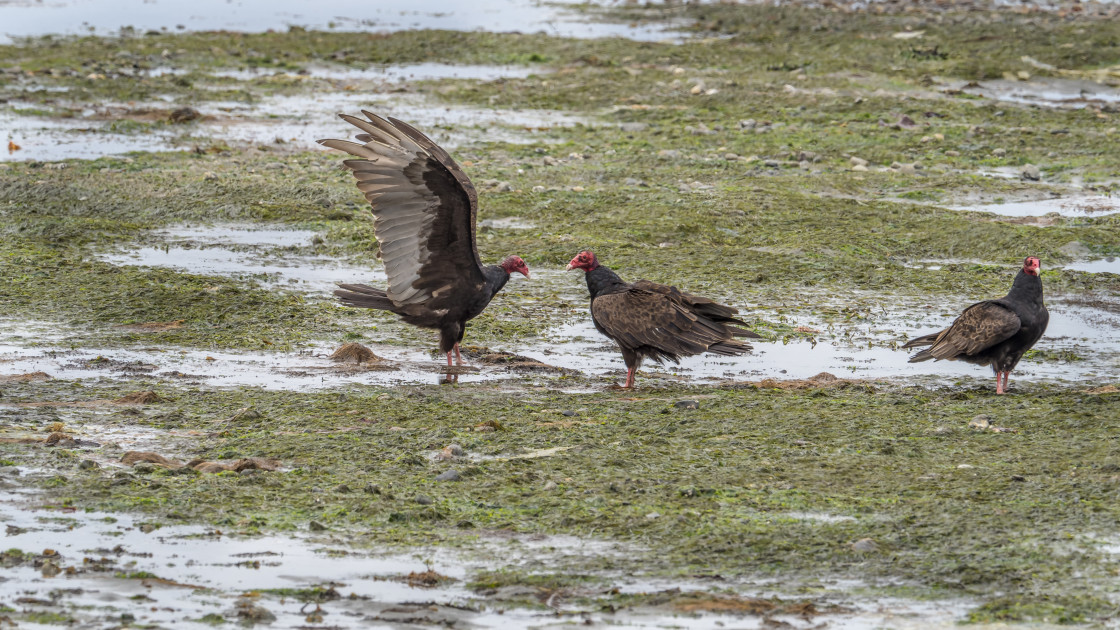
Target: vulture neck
[(601, 281), (496, 278), (1026, 288)]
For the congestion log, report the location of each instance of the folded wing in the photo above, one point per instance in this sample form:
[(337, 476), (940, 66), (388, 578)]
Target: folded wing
[(980, 326)]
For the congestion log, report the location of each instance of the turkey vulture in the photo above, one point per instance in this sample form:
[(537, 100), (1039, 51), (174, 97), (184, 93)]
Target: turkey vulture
[(657, 321), (424, 208), (993, 332)]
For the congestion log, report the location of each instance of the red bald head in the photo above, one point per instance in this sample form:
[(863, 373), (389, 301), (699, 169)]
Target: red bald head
[(584, 260), (514, 264), (1031, 266)]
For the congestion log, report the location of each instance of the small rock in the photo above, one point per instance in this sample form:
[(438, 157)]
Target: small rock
[(747, 124), (860, 168), (999, 152), (857, 161), (355, 353), (668, 154), (772, 163), (245, 413), (423, 500), (316, 526), (633, 127), (1023, 75), (630, 181), (865, 545), (1030, 172), (183, 115), (274, 166), (980, 422), (687, 404), (447, 475), (906, 122), (1074, 249), (699, 130), (549, 485), (504, 187), (538, 189), (697, 89), (50, 569), (568, 413), (965, 466), (88, 464), (550, 161), (952, 153), (908, 169), (653, 515)]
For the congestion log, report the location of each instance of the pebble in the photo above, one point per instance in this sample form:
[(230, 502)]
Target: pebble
[(447, 475), (633, 127), (538, 189), (999, 152), (856, 161), (275, 166), (316, 526), (630, 181), (209, 176), (952, 153), (668, 154), (550, 161), (908, 169), (865, 545), (980, 422), (699, 130), (772, 163), (423, 500), (859, 168), (88, 464), (1030, 172), (687, 404), (550, 485)]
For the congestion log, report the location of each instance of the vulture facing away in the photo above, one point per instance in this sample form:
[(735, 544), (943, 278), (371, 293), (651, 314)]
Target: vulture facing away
[(993, 332), (424, 207), (657, 321)]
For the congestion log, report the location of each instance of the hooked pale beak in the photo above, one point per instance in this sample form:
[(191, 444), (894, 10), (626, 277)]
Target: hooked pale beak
[(571, 265), (524, 273)]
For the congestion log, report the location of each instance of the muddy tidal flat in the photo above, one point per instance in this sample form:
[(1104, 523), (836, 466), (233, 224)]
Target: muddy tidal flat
[(184, 445)]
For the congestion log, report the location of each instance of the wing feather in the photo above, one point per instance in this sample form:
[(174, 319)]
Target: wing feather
[(424, 207), (655, 320), (978, 328)]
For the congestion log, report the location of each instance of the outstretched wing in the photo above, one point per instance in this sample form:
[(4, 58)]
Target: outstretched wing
[(979, 327), (424, 208), (640, 317)]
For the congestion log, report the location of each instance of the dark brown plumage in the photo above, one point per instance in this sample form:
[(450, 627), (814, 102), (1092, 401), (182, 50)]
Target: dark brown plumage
[(656, 321), (425, 209), (993, 332)]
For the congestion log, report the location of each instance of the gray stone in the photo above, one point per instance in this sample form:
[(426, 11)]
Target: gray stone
[(865, 545), (999, 152), (447, 475), (633, 127), (1030, 172), (980, 422), (1074, 249), (857, 161), (687, 404), (423, 500)]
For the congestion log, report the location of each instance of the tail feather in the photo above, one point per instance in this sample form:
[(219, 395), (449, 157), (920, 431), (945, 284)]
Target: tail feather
[(743, 332), (364, 296), (729, 348), (924, 340)]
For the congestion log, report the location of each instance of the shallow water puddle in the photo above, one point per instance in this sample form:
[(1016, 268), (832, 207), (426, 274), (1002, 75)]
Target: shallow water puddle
[(1045, 92), (868, 350), (240, 251), (1103, 265), (303, 119), (1088, 206), (95, 568), (394, 73), (69, 139), (89, 16)]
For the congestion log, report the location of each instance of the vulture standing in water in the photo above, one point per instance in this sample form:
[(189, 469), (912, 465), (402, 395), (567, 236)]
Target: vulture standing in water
[(993, 332), (424, 208), (657, 321)]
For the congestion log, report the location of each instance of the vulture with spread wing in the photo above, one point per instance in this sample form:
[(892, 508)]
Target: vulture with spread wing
[(424, 208), (993, 332), (657, 321)]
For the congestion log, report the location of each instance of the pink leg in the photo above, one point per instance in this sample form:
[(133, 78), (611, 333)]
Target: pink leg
[(630, 377), (999, 382), (458, 357), (448, 358), (1006, 375)]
